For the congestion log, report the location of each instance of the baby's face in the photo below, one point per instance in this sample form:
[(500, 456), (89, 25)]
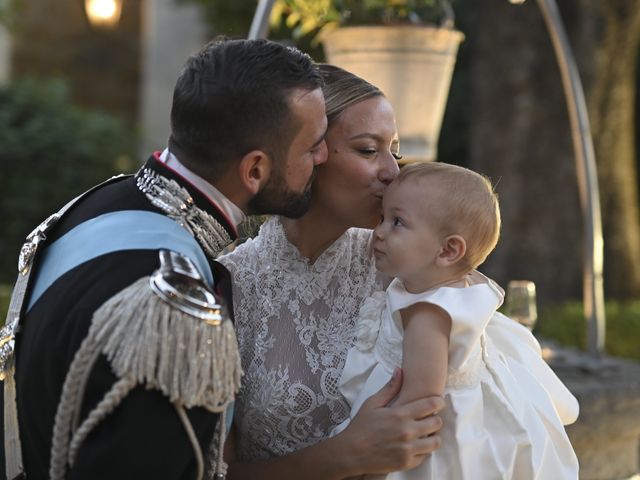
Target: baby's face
[(406, 242)]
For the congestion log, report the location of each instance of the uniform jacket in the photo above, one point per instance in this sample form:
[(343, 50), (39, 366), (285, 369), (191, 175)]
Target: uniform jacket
[(143, 437)]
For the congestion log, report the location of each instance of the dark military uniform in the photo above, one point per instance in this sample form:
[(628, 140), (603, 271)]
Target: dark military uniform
[(143, 437)]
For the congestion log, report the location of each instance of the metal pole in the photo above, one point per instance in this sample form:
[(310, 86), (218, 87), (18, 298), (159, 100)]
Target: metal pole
[(593, 292), (260, 23)]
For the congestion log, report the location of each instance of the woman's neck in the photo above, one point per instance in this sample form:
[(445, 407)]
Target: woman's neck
[(313, 233)]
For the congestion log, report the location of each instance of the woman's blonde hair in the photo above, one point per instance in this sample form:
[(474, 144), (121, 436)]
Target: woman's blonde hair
[(343, 89), (465, 204)]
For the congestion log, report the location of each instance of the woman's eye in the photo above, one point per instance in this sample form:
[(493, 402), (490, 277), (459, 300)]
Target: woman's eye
[(367, 151), (397, 156)]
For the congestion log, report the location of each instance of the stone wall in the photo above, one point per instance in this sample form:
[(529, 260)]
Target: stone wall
[(54, 38), (606, 436)]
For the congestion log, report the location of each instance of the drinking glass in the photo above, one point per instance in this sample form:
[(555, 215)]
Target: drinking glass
[(521, 302)]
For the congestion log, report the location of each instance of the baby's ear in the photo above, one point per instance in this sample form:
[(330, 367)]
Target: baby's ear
[(453, 250)]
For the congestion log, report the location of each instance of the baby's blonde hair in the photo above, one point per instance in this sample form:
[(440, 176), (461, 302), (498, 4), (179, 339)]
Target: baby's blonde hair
[(466, 205)]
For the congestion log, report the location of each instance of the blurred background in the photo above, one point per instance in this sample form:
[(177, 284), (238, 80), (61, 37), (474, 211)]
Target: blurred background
[(80, 101), (83, 99)]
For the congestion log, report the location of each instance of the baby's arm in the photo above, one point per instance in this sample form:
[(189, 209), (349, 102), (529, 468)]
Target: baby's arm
[(425, 351)]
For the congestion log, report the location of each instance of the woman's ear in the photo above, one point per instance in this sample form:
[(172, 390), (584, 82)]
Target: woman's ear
[(254, 170), (453, 250)]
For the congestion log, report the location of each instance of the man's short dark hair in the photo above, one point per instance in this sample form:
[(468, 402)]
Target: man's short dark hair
[(232, 97)]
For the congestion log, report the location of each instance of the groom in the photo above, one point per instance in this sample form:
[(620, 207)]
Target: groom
[(155, 355)]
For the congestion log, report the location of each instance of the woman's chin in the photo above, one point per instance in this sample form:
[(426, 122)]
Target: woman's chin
[(371, 224), (369, 220)]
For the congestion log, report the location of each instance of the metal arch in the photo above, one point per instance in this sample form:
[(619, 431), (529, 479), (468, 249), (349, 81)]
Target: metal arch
[(593, 290), (260, 23)]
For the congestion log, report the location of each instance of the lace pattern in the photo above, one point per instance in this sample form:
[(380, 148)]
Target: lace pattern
[(295, 322), (470, 374)]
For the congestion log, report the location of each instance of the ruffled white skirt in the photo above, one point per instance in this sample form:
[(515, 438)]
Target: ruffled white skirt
[(505, 408)]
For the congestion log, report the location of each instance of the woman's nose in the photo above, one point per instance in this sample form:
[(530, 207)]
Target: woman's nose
[(388, 169)]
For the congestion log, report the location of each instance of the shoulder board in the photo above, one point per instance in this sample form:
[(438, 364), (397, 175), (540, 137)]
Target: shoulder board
[(170, 331)]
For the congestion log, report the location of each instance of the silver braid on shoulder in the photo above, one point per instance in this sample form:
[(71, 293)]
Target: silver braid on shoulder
[(175, 201)]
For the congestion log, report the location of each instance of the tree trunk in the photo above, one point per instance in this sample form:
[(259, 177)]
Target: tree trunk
[(520, 137), (611, 102)]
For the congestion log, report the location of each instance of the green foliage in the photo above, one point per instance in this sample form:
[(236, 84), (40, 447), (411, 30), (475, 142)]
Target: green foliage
[(51, 151), (8, 10), (319, 17), (565, 323)]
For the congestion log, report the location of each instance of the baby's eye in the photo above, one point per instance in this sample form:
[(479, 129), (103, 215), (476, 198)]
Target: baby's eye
[(397, 222)]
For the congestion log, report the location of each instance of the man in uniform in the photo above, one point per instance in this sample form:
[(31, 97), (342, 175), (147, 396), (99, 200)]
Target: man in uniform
[(124, 355)]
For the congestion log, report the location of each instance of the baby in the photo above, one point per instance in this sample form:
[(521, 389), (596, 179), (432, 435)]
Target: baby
[(438, 322)]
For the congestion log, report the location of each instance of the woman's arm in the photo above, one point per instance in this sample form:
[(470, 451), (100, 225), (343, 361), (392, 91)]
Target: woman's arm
[(379, 439), (425, 351)]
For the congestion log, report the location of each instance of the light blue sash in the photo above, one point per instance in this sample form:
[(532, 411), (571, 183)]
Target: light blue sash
[(113, 232)]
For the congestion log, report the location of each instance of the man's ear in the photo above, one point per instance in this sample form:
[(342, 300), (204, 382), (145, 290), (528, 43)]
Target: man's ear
[(254, 170), (453, 250)]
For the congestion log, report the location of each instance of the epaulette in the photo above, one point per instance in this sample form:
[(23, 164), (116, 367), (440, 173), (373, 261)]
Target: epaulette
[(167, 331)]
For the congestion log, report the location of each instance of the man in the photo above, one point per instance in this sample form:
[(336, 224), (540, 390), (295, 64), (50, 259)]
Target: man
[(120, 285)]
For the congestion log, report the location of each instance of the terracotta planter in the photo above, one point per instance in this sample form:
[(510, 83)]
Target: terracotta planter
[(413, 66)]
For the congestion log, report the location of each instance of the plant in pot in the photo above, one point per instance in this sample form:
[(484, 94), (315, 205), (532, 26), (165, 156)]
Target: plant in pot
[(398, 45)]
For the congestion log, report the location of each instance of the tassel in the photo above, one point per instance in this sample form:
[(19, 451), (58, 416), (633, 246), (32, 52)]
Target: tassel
[(167, 332), (191, 361)]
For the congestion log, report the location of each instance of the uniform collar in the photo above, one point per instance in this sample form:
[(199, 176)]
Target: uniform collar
[(200, 198), (230, 209)]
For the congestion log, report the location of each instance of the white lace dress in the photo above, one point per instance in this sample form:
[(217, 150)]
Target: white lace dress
[(295, 322), (505, 407)]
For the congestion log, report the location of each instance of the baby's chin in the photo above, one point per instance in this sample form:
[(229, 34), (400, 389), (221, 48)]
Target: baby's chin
[(382, 268)]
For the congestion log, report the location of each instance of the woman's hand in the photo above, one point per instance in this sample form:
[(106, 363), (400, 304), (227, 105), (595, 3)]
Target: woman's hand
[(383, 438), (380, 439)]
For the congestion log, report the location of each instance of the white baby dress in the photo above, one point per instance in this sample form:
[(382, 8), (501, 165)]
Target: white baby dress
[(505, 408)]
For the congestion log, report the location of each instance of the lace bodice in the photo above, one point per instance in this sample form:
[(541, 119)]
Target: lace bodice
[(295, 322)]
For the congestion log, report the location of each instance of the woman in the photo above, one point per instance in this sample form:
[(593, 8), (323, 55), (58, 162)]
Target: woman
[(298, 288)]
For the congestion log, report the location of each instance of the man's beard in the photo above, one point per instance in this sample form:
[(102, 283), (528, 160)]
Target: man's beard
[(277, 199)]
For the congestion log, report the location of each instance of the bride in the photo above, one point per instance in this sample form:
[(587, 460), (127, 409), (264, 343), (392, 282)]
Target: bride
[(298, 287)]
